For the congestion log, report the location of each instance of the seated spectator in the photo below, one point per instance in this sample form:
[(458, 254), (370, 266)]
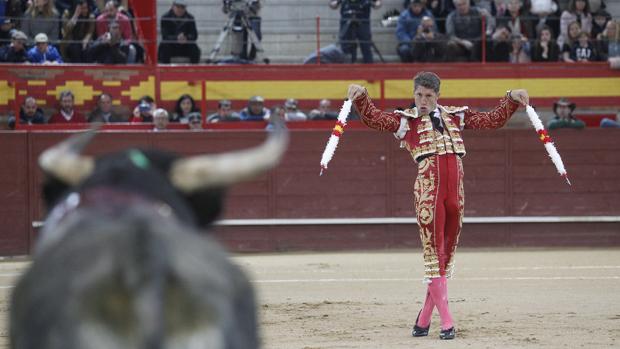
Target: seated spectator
[(111, 49), (43, 52), (545, 49), (407, 28), (520, 52), (30, 113), (323, 112), (77, 31), (143, 112), (599, 22), (464, 32), (179, 34), (16, 51), (563, 118), (292, 113), (548, 13), (255, 111), (583, 50), (440, 9), (224, 113), (160, 120), (428, 44), (41, 17), (609, 41), (67, 114), (104, 112), (183, 107), (112, 11), (500, 47), (6, 30), (577, 11), (571, 39), (194, 121), (330, 54), (517, 19)]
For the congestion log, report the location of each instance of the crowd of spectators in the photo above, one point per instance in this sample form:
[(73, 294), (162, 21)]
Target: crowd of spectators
[(516, 31), (68, 31), (185, 112)]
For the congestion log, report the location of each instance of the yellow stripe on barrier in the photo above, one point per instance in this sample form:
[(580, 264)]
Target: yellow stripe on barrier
[(300, 89), (493, 88)]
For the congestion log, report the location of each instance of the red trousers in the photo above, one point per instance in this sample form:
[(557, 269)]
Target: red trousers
[(439, 200)]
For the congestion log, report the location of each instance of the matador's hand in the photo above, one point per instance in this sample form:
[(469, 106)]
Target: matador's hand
[(520, 96), (356, 91)]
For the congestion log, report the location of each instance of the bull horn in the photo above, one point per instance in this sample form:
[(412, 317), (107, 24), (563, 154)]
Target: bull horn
[(207, 171), (64, 161)]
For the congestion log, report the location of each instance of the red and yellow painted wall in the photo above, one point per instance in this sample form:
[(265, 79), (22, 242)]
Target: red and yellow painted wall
[(477, 85)]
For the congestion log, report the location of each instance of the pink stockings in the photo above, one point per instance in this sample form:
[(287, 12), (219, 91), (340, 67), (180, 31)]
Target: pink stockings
[(437, 295)]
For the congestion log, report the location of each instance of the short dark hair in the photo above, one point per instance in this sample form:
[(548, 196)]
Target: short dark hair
[(427, 79), (66, 93)]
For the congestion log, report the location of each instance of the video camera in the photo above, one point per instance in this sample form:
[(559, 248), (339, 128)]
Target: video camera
[(241, 7)]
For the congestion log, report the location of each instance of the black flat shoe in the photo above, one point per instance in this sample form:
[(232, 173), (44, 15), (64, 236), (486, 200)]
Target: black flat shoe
[(447, 334), (419, 331)]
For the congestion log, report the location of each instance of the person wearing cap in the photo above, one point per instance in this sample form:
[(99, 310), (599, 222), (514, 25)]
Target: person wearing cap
[(432, 134), (407, 28), (255, 111), (16, 51), (41, 17), (43, 51), (563, 118), (194, 121), (179, 34), (67, 114), (292, 113), (224, 113)]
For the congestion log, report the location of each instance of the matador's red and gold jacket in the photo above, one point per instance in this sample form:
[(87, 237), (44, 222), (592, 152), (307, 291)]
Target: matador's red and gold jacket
[(417, 134)]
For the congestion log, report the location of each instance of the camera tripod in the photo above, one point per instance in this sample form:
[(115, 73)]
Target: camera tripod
[(355, 21), (247, 27)]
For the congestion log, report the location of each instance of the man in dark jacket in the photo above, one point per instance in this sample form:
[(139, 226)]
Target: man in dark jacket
[(110, 48), (29, 113), (16, 51), (179, 34)]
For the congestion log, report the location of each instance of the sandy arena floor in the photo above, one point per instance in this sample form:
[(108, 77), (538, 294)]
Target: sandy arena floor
[(499, 299)]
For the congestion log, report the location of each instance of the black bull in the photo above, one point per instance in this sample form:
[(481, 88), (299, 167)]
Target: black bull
[(121, 261)]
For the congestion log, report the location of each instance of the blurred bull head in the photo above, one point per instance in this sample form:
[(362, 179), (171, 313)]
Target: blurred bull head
[(121, 264)]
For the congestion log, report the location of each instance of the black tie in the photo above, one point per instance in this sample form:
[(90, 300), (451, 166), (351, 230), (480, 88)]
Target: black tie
[(436, 122)]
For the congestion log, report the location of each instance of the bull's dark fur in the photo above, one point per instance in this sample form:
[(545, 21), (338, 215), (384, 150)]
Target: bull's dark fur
[(138, 281), (109, 275)]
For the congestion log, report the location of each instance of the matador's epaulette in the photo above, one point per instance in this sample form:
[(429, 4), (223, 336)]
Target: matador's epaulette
[(452, 110), (410, 113)]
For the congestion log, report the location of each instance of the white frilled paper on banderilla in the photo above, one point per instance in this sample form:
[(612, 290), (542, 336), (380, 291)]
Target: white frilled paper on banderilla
[(547, 141), (334, 138)]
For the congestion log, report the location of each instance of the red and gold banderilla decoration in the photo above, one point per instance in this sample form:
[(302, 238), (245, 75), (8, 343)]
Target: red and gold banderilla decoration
[(338, 130), (547, 141)]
